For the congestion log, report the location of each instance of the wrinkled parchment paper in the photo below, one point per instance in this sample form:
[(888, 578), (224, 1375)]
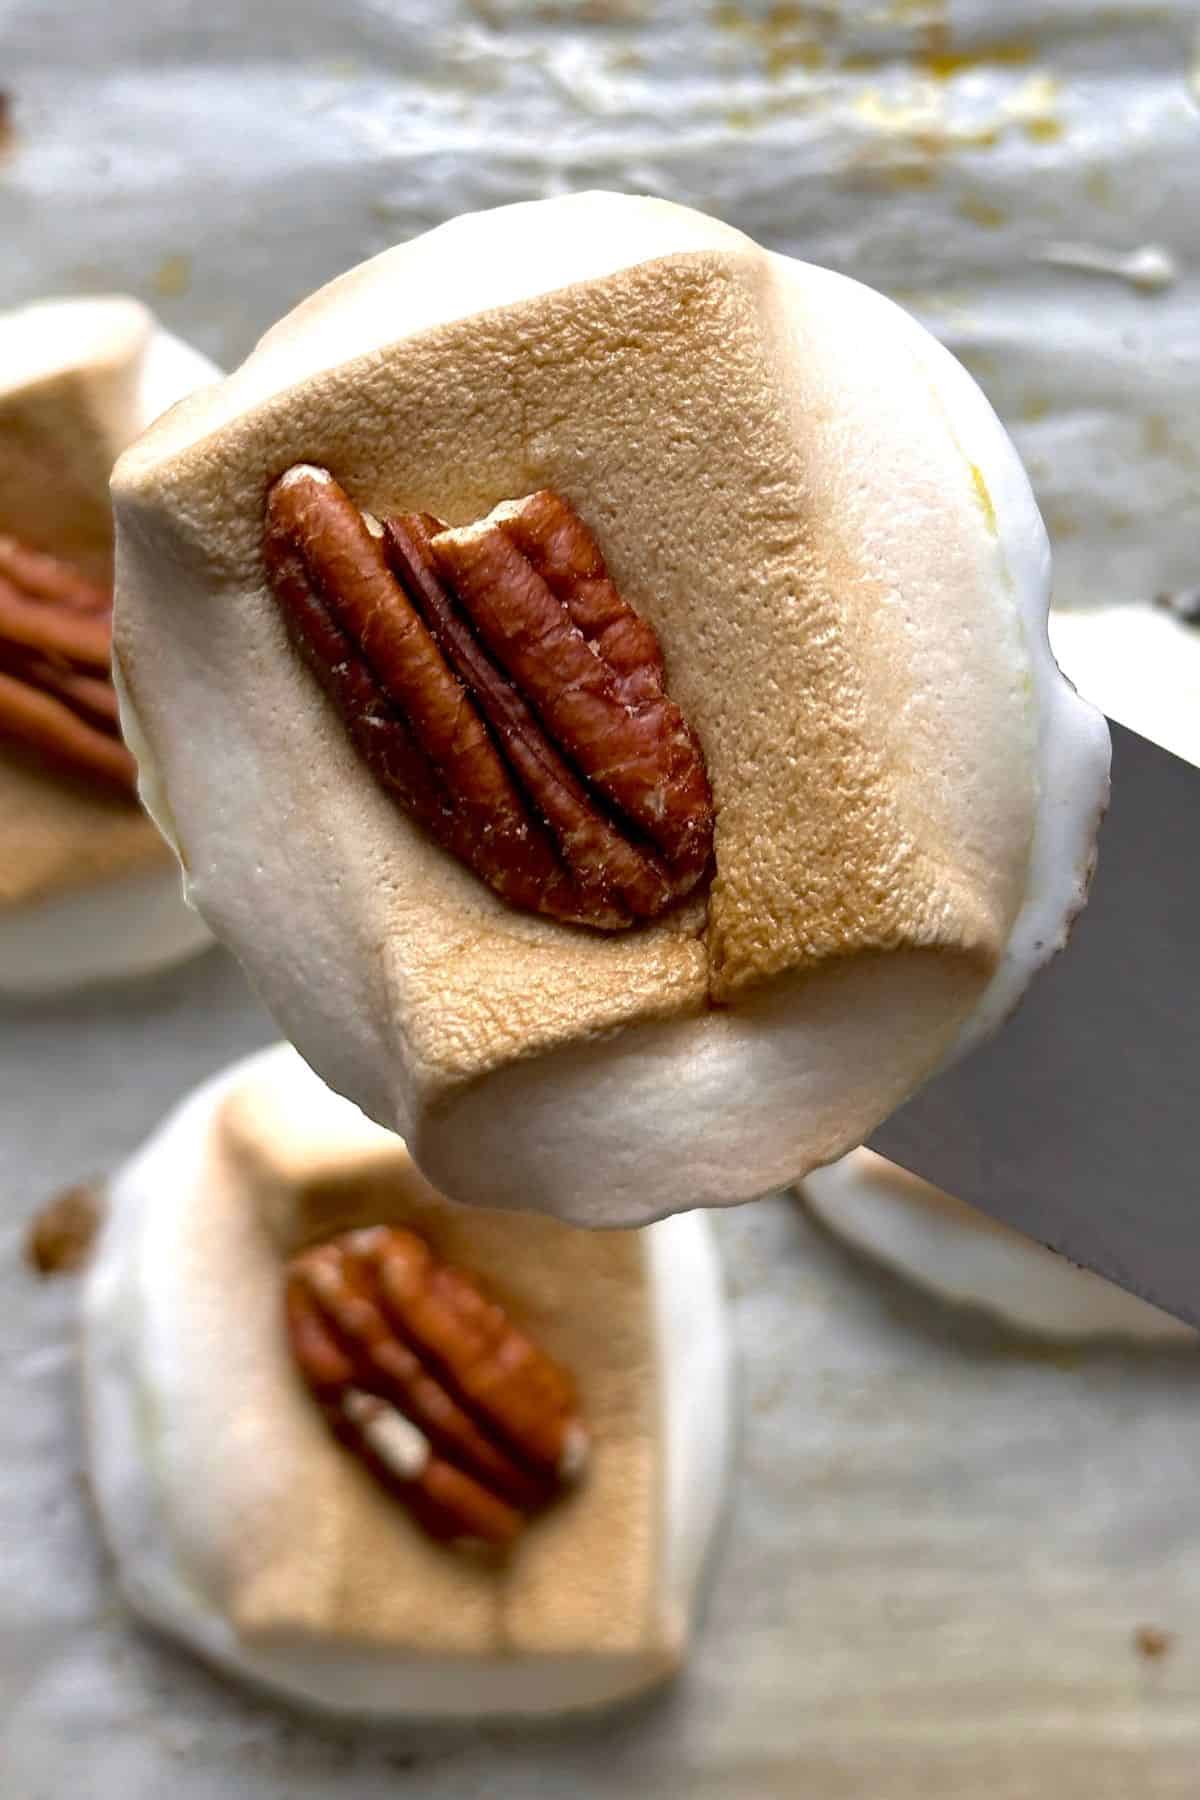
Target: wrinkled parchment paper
[(942, 1541)]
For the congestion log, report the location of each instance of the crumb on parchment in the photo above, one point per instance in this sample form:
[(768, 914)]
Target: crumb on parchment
[(1152, 1642), (60, 1234)]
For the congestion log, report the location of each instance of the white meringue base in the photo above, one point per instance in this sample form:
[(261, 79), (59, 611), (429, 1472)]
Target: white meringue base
[(132, 1314), (944, 1248), (130, 926)]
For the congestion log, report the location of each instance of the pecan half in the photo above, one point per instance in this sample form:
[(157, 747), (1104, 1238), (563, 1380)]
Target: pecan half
[(56, 693), (428, 1381), (499, 687)]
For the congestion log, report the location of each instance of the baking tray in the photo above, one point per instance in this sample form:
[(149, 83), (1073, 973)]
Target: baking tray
[(943, 1541)]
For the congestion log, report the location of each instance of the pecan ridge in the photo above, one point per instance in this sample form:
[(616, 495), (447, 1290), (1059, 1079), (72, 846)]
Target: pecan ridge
[(56, 693), (427, 1380), (502, 691)]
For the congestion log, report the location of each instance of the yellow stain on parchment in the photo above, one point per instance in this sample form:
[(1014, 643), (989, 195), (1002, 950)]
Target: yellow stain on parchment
[(922, 123), (1156, 435), (782, 57), (945, 65), (173, 276), (918, 119), (983, 364), (1034, 107), (788, 16), (788, 36), (1061, 524), (901, 175), (982, 212), (1099, 187)]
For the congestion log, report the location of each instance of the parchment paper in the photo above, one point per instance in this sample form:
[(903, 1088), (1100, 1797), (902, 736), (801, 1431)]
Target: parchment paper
[(942, 1541)]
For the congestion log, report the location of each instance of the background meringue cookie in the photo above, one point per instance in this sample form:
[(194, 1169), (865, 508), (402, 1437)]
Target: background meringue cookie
[(87, 891), (906, 791), (239, 1526), (951, 1250), (1141, 665)]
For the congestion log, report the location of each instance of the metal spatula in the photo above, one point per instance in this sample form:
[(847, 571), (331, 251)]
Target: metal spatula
[(1079, 1123)]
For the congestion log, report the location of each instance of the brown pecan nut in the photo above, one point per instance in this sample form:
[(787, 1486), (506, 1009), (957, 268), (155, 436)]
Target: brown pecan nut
[(500, 688), (56, 693), (426, 1378)]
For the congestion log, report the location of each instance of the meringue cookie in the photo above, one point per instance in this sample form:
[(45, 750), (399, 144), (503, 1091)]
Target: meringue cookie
[(1141, 665), (240, 1527), (87, 890), (947, 1248), (816, 510)]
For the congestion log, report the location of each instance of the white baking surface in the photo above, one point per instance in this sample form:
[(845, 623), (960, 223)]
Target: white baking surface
[(942, 1541)]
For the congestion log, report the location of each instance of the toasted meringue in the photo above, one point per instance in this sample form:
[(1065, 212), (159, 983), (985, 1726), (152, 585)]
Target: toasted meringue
[(87, 889), (240, 1527), (816, 510)]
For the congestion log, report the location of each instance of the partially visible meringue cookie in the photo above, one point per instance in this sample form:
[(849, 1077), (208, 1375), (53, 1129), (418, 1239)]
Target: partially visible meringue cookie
[(243, 1529), (1141, 664), (817, 512), (87, 888), (948, 1249)]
